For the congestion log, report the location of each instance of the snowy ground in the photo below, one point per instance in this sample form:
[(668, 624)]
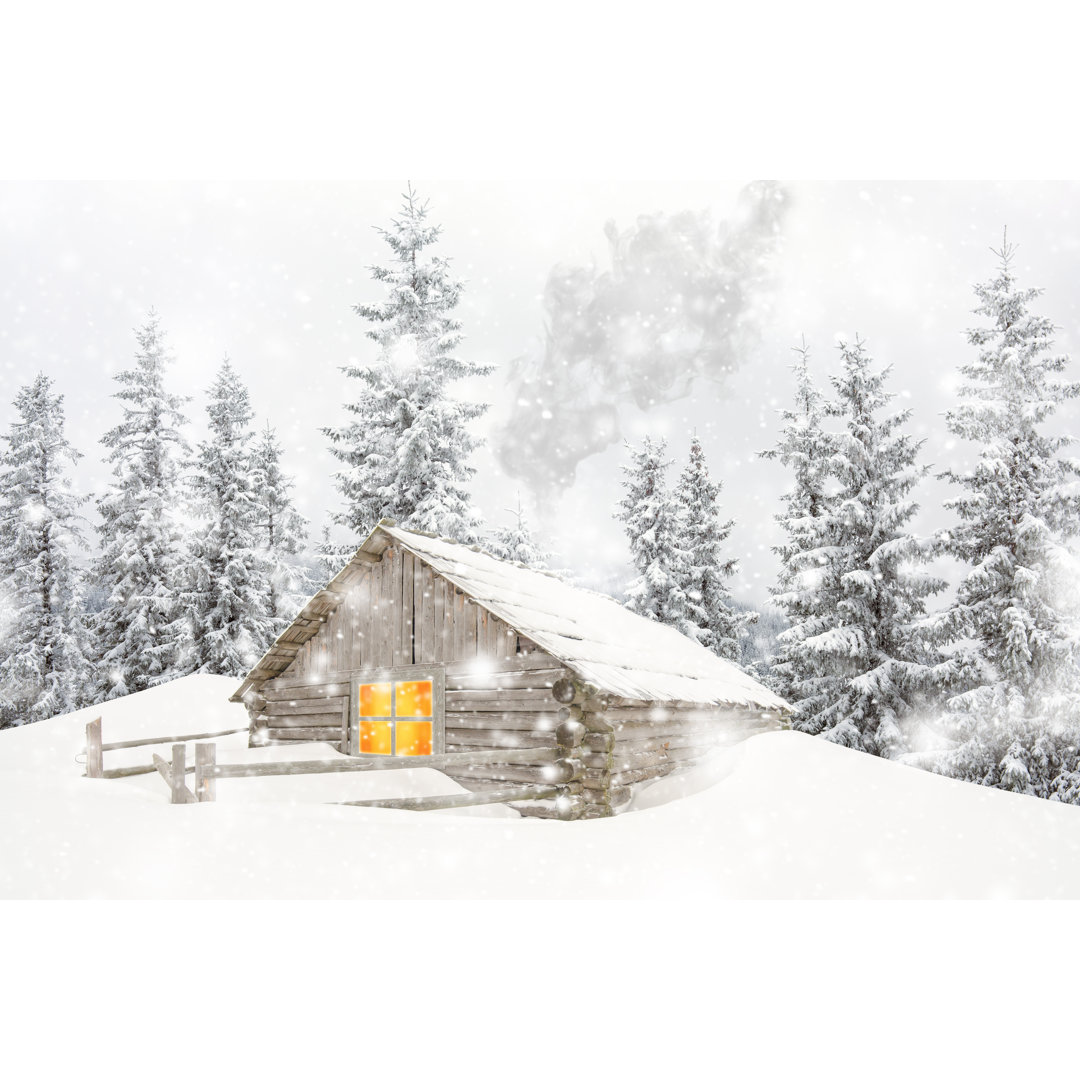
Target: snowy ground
[(779, 816)]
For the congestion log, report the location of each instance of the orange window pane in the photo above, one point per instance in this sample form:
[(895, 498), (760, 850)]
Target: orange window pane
[(375, 699), (413, 698), (413, 738), (375, 736)]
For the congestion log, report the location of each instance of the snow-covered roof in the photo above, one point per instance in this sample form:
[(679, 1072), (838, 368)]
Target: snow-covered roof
[(600, 640)]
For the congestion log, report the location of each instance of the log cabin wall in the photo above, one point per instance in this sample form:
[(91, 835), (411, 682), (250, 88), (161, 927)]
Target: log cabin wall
[(399, 612), (649, 740)]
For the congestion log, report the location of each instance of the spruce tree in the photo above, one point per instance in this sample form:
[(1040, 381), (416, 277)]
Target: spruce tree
[(43, 644), (137, 632), (227, 596), (282, 532), (650, 519), (712, 619), (879, 642), (1015, 662), (516, 543), (406, 452), (807, 551)]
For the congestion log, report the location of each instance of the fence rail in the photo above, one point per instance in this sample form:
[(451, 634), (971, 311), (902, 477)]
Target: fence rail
[(560, 772), (95, 750)]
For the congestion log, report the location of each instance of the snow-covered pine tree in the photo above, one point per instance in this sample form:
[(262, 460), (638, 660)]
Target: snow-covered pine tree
[(867, 647), (227, 595), (1016, 631), (701, 534), (516, 542), (43, 648), (282, 531), (329, 557), (807, 552), (650, 519), (406, 452), (136, 633)]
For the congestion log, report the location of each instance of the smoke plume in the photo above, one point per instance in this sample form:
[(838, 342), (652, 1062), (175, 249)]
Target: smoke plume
[(683, 299)]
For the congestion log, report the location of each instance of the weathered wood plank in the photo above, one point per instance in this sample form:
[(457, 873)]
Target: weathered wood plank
[(538, 756), (427, 637), (362, 619), (95, 761), (205, 785), (384, 645), (472, 627), (539, 661), (458, 627), (405, 614), (300, 690), (180, 793), (172, 739), (526, 721), (507, 680), (321, 719), (458, 702), (164, 769), (302, 708), (457, 739), (453, 802), (306, 734), (438, 630), (524, 773), (397, 620), (128, 770)]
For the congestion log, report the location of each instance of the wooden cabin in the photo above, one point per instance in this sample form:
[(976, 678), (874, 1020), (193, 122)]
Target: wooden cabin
[(422, 646)]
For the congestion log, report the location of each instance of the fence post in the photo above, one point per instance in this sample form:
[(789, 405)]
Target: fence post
[(205, 784), (179, 767), (94, 757)]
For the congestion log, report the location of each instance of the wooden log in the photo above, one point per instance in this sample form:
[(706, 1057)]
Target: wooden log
[(563, 691), (524, 773), (595, 722), (491, 740), (304, 734), (537, 756), (324, 718), (128, 770), (453, 802), (205, 785), (570, 733), (499, 721), (457, 701), (330, 706), (294, 690), (171, 739), (94, 750)]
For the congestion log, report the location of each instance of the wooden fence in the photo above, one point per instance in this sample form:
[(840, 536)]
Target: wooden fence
[(560, 770), (95, 750)]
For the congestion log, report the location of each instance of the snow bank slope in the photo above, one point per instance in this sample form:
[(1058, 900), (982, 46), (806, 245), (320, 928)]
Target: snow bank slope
[(786, 816)]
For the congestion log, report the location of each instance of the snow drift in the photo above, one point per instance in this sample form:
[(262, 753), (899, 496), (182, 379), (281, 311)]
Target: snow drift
[(782, 815)]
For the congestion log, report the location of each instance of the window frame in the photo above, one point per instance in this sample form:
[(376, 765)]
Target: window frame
[(393, 675)]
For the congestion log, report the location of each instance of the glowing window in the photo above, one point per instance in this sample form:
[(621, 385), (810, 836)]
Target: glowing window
[(413, 738), (376, 736), (375, 699), (412, 698), (398, 713)]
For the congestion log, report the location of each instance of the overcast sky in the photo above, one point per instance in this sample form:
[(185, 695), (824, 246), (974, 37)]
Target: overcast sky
[(267, 273)]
